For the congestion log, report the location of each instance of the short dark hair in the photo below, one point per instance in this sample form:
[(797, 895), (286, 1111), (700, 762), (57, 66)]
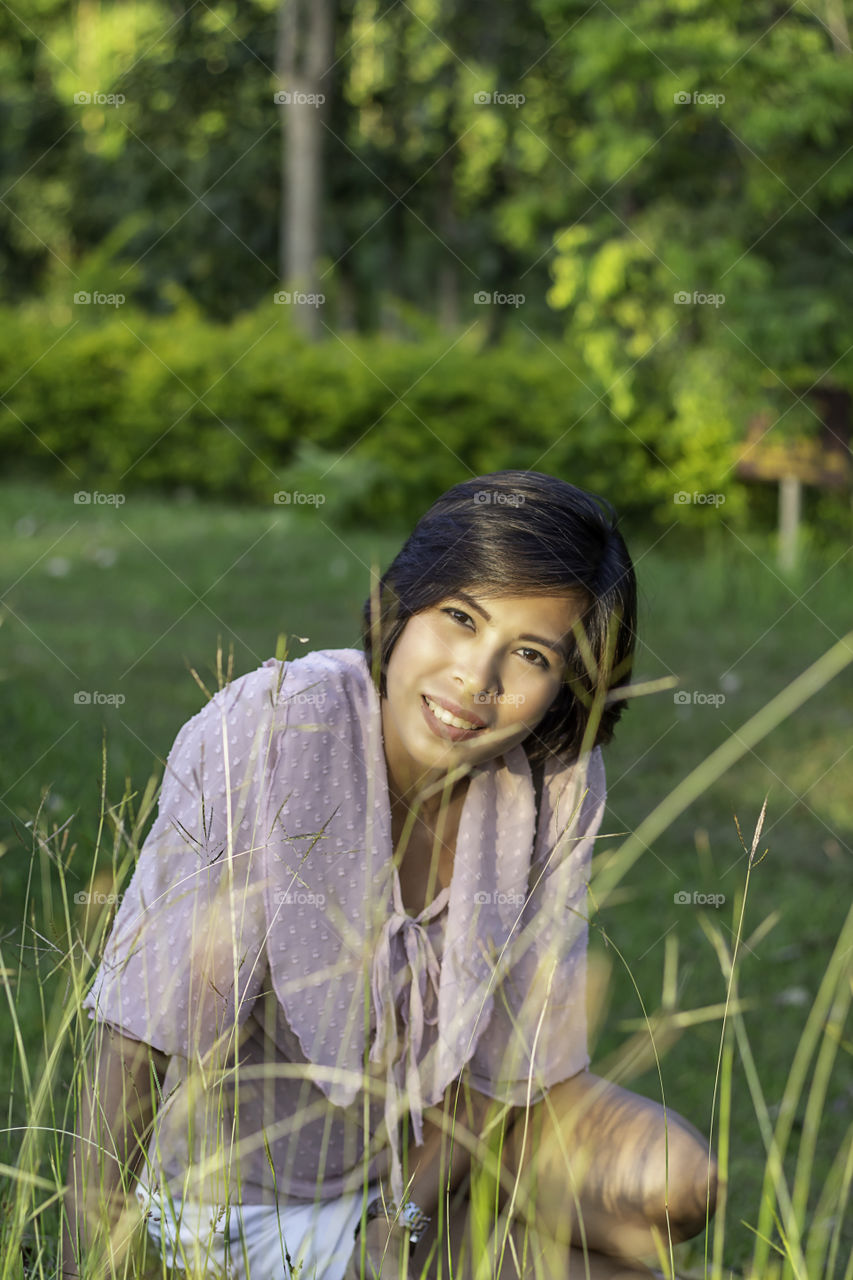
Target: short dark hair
[(523, 533)]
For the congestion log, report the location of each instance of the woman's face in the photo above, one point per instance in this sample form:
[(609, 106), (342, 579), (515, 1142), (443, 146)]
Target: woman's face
[(470, 678)]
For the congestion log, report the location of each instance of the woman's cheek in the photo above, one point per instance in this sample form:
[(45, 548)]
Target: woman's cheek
[(539, 704)]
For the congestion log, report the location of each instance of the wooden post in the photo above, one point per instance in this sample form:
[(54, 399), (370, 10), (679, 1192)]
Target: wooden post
[(822, 461), (789, 521)]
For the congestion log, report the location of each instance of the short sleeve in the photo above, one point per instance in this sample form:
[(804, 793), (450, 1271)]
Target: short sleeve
[(185, 961), (535, 1035)]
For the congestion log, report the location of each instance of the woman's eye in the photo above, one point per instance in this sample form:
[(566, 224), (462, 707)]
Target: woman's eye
[(538, 658), (456, 614)]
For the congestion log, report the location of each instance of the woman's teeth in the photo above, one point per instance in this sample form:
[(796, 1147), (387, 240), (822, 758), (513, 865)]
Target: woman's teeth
[(446, 718)]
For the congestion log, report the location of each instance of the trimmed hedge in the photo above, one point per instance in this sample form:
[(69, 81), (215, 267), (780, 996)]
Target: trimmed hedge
[(124, 400)]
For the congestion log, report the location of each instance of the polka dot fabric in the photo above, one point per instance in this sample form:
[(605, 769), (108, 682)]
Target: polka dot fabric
[(264, 926)]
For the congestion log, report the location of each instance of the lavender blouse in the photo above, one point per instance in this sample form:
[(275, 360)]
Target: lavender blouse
[(263, 944)]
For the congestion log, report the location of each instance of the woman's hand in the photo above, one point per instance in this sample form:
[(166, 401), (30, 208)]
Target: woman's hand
[(386, 1252)]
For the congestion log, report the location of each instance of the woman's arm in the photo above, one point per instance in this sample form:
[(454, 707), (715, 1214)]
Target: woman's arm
[(117, 1105), (450, 1132)]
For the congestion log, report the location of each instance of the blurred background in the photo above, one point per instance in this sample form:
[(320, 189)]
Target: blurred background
[(274, 276), (427, 239)]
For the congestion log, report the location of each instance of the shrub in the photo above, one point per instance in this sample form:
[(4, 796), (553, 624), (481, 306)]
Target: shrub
[(124, 400)]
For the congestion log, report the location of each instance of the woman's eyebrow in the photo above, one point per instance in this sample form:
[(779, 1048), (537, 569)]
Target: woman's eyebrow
[(553, 645)]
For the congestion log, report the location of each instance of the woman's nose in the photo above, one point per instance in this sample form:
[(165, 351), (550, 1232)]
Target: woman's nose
[(479, 675)]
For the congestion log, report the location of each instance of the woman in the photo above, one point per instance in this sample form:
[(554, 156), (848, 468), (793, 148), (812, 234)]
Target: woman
[(353, 950)]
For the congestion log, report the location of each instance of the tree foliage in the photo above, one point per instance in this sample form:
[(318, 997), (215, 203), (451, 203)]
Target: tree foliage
[(657, 195)]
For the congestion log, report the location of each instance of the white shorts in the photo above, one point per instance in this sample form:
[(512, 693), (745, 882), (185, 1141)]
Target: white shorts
[(254, 1241)]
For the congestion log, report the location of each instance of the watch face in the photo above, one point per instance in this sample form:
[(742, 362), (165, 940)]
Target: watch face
[(415, 1220), (411, 1218)]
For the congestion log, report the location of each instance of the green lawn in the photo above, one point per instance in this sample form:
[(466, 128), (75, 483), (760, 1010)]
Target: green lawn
[(124, 602)]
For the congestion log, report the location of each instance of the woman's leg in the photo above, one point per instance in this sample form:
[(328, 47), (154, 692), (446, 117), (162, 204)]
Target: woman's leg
[(514, 1253), (598, 1172), (601, 1166)]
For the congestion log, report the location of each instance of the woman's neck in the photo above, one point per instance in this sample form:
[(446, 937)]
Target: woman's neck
[(428, 796)]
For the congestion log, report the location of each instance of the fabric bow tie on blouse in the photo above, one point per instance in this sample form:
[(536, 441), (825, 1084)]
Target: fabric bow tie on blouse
[(407, 1000)]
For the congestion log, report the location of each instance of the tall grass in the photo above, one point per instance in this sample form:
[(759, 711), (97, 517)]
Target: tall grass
[(794, 1236), (796, 1220)]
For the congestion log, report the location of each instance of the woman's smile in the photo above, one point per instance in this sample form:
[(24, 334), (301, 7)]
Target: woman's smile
[(450, 724)]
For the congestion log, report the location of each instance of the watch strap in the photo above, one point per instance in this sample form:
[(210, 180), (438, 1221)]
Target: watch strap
[(410, 1216)]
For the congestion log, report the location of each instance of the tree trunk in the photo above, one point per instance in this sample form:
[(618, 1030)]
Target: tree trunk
[(836, 25), (304, 56), (448, 278)]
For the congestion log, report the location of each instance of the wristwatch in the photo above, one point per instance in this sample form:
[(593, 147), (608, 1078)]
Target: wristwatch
[(409, 1216)]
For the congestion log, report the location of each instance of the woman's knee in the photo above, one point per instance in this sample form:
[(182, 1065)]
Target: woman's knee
[(689, 1177), (624, 1155), (676, 1177)]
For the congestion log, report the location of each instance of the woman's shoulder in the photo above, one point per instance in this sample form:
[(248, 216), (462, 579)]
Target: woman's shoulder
[(316, 681), (322, 678), (287, 679), (330, 664), (584, 774), (567, 766), (327, 687)]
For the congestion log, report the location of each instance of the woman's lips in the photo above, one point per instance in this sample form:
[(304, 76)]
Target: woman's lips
[(471, 718), (447, 731)]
